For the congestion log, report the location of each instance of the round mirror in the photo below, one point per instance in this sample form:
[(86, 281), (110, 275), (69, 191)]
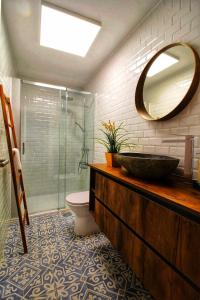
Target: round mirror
[(168, 82)]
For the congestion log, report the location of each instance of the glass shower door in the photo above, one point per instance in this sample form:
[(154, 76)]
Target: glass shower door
[(57, 144), (40, 137), (80, 140)]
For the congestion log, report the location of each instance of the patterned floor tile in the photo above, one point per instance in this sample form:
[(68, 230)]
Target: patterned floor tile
[(42, 286), (63, 266), (24, 276), (10, 292), (68, 281), (9, 266)]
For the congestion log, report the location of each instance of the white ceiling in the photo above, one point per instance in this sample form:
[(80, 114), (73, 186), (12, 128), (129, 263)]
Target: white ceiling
[(34, 62)]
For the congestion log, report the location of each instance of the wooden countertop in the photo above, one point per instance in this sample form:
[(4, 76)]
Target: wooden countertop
[(177, 193)]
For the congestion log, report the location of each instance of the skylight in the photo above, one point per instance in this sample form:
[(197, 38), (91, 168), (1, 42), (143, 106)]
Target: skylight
[(162, 62), (63, 31)]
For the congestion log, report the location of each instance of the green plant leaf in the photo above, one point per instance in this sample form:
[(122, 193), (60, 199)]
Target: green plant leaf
[(115, 137)]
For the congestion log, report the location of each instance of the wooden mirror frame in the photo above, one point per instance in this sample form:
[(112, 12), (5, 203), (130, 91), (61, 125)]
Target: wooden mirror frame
[(139, 100)]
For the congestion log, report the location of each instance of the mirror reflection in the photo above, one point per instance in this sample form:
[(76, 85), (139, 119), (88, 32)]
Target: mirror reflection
[(168, 80)]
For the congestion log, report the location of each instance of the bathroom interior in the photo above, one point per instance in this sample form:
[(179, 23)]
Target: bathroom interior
[(100, 149)]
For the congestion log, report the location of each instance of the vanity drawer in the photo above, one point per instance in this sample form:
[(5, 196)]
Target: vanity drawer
[(161, 280), (188, 253), (99, 215), (99, 186), (121, 238), (123, 202), (154, 223), (160, 228)]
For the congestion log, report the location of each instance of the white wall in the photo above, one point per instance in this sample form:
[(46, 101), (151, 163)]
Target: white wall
[(115, 84)]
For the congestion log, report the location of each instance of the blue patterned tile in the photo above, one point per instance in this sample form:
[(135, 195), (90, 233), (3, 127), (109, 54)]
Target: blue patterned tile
[(8, 290), (73, 290), (63, 266), (68, 280), (9, 266), (42, 286), (24, 276)]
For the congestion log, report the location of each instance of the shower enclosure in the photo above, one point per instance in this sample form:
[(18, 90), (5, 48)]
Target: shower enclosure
[(57, 138)]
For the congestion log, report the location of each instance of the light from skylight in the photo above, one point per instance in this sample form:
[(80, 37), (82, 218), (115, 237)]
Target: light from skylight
[(162, 62), (65, 32)]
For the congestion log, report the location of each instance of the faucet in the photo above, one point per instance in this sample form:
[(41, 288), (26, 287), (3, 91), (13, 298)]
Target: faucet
[(188, 156)]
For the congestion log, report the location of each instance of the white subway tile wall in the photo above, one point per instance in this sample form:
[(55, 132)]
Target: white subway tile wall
[(6, 71), (115, 83), (5, 187), (40, 135), (79, 109)]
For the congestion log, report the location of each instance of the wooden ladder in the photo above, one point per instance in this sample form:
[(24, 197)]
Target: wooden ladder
[(17, 177)]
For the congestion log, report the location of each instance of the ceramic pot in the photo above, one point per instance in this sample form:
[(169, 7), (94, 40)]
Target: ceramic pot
[(111, 160)]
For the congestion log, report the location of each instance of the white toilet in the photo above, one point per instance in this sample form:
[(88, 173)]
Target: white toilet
[(79, 204)]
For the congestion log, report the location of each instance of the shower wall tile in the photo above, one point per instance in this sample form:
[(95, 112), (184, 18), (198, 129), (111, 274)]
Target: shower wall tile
[(77, 179), (40, 135), (6, 72)]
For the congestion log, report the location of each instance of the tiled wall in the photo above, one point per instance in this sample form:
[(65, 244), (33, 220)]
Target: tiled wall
[(115, 83), (6, 71), (5, 187), (78, 109), (40, 134)]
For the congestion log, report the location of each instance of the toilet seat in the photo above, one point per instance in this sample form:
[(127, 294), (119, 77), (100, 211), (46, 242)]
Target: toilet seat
[(80, 198)]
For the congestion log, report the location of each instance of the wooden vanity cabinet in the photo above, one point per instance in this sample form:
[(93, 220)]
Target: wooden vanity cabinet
[(153, 222), (160, 243)]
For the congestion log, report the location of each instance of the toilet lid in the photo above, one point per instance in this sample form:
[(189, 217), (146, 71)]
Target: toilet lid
[(78, 198)]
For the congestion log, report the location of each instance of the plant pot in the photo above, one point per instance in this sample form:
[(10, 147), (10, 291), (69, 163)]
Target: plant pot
[(111, 160)]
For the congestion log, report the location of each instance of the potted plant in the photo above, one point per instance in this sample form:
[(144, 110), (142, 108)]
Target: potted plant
[(115, 138)]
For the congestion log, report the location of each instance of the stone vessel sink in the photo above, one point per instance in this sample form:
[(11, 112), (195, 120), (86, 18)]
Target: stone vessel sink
[(147, 166)]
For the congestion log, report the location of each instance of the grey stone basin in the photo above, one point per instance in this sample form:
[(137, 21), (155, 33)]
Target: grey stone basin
[(146, 166)]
